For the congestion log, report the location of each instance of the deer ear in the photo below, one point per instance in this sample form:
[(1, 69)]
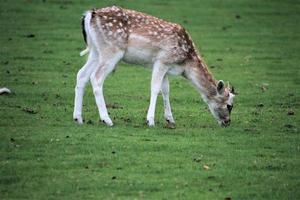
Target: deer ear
[(221, 87), (232, 90)]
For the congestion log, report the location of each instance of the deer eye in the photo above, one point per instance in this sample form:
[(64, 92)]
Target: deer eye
[(229, 107)]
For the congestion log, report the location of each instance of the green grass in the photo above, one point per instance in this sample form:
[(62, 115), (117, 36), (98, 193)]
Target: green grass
[(254, 44)]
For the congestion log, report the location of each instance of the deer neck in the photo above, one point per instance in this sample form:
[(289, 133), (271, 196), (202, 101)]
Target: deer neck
[(197, 72)]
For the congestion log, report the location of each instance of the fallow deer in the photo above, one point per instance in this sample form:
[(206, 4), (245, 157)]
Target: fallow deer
[(113, 34)]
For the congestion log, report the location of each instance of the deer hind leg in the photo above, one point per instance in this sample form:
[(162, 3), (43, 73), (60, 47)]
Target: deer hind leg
[(158, 73), (165, 90), (82, 79), (97, 78)]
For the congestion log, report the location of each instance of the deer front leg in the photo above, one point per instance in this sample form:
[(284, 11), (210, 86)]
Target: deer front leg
[(158, 73), (165, 90)]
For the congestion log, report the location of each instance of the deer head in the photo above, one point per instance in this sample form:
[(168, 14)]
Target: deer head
[(221, 104)]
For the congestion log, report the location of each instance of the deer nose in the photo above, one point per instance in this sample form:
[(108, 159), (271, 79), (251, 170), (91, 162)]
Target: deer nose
[(226, 122)]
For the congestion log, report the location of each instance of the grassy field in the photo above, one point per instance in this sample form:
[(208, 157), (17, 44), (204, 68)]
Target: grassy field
[(253, 44)]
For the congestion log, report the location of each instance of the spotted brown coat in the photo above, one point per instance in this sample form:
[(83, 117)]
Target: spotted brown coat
[(115, 34)]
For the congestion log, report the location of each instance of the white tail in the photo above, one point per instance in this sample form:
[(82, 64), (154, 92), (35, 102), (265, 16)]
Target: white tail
[(84, 52), (113, 34)]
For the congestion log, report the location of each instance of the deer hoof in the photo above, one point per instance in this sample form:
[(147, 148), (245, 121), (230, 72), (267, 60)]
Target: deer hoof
[(150, 123), (170, 125), (108, 122), (78, 120)]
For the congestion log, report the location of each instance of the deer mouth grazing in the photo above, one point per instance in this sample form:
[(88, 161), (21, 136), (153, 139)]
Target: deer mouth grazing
[(225, 122)]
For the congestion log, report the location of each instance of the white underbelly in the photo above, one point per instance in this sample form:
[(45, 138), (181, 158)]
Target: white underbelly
[(175, 70), (138, 56), (140, 50)]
